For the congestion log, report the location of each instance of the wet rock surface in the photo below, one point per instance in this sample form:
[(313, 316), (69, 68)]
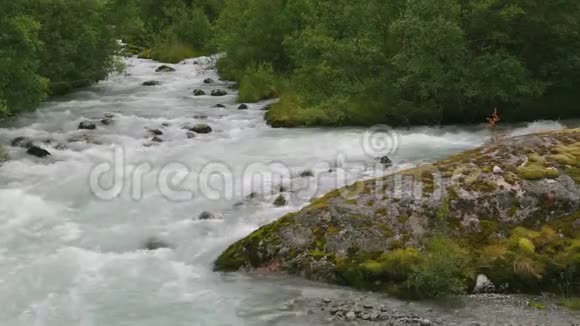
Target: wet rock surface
[(151, 83)]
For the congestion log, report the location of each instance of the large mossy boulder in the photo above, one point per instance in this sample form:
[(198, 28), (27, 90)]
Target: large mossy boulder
[(508, 210)]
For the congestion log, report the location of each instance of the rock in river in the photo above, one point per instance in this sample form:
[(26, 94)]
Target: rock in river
[(198, 92), (38, 152), (280, 201), (87, 125), (206, 216), (155, 132), (438, 226), (165, 68), (243, 107), (219, 92), (23, 142), (208, 81), (386, 161), (151, 83), (201, 128), (156, 244)]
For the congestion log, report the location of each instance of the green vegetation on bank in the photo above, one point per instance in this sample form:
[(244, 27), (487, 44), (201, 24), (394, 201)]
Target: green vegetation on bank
[(46, 48), (406, 62), (49, 47), (166, 30)]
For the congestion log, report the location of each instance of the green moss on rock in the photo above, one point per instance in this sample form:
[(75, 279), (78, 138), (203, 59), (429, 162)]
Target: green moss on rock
[(252, 251)]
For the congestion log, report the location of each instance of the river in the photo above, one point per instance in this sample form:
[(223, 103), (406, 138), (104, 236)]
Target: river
[(72, 246)]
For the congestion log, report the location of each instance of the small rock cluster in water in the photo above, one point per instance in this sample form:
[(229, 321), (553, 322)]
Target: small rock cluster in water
[(352, 311)]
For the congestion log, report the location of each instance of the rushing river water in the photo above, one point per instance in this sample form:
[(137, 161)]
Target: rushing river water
[(71, 256)]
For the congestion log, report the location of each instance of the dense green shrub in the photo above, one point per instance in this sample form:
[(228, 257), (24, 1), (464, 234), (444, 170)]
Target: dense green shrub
[(444, 271), (76, 52), (259, 83)]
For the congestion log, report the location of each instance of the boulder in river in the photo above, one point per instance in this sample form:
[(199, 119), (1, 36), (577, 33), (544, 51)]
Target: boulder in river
[(107, 121), (151, 83), (190, 134), (38, 152), (165, 68), (201, 128), (23, 142), (198, 92), (220, 106), (431, 230), (280, 201), (87, 125), (157, 139), (243, 107), (156, 244), (219, 92), (155, 132), (208, 81), (206, 216), (306, 174), (386, 161)]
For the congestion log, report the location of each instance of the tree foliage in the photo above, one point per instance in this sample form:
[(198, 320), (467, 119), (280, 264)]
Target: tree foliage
[(409, 61), (46, 49)]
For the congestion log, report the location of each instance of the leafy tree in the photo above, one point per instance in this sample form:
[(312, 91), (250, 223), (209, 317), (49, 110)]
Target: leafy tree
[(21, 88), (76, 52)]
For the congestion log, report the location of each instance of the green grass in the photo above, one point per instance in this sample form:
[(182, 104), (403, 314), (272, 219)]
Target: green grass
[(571, 303), (291, 112), (171, 53)]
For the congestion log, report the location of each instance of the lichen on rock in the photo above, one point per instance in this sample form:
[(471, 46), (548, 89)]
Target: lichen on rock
[(433, 229)]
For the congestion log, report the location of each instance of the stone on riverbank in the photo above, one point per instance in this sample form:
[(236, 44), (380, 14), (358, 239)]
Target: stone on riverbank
[(434, 228)]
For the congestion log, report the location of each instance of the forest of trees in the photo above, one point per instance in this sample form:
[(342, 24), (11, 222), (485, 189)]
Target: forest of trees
[(331, 62)]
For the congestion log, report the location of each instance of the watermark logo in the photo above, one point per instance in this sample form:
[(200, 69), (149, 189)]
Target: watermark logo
[(217, 180), (380, 141)]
